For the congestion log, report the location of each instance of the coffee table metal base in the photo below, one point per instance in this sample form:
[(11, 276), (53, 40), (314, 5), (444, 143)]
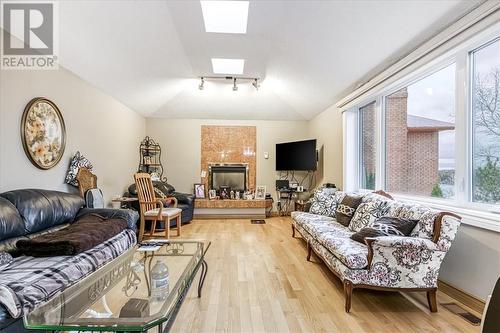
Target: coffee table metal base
[(170, 322)]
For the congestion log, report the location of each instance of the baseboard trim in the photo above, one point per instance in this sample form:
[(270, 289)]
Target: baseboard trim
[(461, 296)]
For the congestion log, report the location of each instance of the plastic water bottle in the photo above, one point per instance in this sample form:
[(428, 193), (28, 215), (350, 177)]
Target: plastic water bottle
[(159, 281)]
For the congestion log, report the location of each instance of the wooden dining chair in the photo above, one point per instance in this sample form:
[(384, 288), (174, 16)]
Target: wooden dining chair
[(152, 209)]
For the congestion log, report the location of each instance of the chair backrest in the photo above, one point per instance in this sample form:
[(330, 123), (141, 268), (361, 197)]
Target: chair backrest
[(86, 181), (145, 191)]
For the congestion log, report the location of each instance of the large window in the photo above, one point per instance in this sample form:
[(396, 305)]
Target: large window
[(420, 136), (486, 123), (367, 146), (434, 135)]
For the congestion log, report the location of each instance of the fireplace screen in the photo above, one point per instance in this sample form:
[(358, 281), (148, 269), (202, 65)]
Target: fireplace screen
[(234, 176)]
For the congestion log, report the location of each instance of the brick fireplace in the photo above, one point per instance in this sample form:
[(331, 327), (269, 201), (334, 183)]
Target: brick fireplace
[(228, 147), (228, 157)]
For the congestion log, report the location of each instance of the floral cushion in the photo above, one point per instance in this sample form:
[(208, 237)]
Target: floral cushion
[(325, 201), (372, 196), (412, 211), (425, 225), (317, 224), (370, 211), (352, 254)]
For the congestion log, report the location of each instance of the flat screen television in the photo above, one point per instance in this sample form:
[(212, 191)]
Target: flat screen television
[(296, 156)]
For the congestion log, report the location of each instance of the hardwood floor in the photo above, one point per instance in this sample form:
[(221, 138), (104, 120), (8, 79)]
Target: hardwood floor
[(259, 281)]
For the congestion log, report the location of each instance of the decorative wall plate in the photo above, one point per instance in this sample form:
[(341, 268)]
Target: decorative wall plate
[(43, 133)]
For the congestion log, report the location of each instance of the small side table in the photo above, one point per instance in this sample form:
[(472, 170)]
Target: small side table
[(300, 205), (124, 201)]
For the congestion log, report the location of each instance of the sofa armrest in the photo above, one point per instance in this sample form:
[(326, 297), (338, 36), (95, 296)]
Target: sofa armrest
[(403, 241), (404, 262), (184, 198), (405, 246), (130, 216)]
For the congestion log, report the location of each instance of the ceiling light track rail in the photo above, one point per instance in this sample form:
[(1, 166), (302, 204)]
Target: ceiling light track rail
[(253, 80)]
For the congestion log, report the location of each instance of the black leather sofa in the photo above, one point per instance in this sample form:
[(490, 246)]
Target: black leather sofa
[(184, 201), (31, 212)]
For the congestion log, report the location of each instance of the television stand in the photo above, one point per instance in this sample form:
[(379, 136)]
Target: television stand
[(286, 200)]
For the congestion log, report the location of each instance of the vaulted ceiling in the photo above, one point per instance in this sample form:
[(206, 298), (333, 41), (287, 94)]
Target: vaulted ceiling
[(149, 54)]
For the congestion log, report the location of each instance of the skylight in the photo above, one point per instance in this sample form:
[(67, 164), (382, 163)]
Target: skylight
[(228, 66), (225, 16)]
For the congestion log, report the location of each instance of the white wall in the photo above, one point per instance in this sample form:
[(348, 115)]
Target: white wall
[(327, 129), (473, 262), (100, 127), (180, 140)]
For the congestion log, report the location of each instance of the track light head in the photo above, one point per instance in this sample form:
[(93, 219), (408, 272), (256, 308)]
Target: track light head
[(235, 87), (256, 84), (202, 84)]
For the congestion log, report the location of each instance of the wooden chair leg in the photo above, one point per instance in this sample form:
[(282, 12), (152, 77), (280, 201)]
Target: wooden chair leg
[(179, 224), (309, 251), (293, 231), (348, 295), (153, 228), (167, 227), (432, 300), (141, 228)]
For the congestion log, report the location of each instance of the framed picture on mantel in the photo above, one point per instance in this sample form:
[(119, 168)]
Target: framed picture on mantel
[(260, 193), (199, 191)]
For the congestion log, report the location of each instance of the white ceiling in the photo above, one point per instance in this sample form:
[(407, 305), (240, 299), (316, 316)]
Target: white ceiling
[(148, 54)]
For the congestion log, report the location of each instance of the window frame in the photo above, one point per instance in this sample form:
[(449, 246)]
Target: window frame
[(470, 119), (360, 143), (475, 213), (406, 82)]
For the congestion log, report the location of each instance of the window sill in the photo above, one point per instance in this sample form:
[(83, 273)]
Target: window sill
[(470, 216)]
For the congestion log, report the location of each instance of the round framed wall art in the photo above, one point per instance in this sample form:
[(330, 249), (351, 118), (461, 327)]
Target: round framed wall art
[(43, 133)]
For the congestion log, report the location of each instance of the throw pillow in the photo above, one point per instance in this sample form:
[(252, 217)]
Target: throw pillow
[(425, 225), (325, 201), (5, 260), (385, 226), (374, 196), (78, 161), (369, 212), (346, 208)]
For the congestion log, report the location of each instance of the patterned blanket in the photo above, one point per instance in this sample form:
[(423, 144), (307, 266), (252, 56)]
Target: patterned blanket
[(30, 281)]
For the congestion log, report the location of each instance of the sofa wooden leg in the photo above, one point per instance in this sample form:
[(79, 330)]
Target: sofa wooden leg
[(432, 300), (293, 231), (348, 295), (309, 251)]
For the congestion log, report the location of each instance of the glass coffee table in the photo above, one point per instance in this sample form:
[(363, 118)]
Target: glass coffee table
[(119, 296)]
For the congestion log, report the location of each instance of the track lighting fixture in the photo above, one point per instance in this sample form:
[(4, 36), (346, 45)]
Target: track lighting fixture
[(254, 80)]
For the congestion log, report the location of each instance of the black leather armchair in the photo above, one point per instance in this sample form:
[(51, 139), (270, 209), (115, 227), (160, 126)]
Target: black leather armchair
[(185, 201)]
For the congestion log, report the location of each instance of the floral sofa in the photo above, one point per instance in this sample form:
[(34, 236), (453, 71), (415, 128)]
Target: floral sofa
[(407, 263)]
